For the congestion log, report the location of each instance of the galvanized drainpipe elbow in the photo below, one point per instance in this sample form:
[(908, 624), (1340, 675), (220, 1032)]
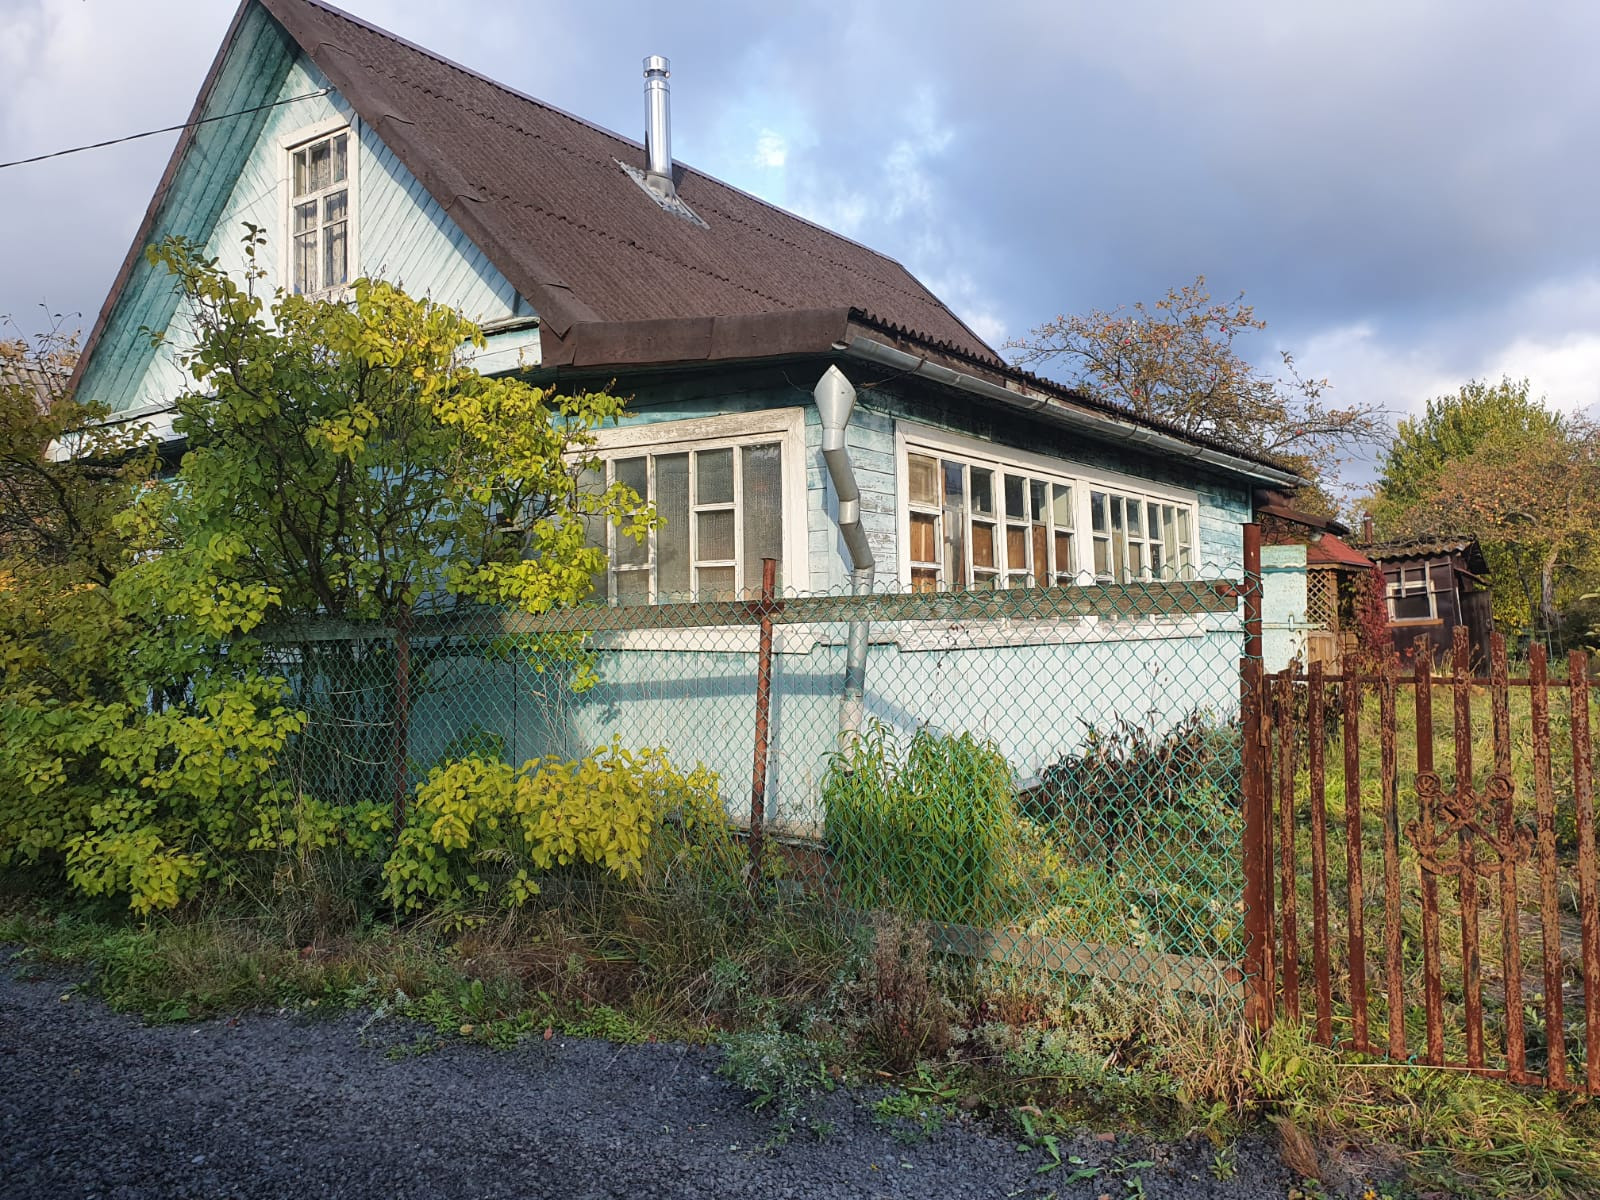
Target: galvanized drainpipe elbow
[(836, 401)]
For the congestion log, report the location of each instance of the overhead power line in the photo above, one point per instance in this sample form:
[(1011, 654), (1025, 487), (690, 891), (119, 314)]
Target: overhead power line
[(133, 137)]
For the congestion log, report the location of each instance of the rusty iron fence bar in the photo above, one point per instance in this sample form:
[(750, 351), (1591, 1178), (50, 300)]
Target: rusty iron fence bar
[(1317, 744), (1583, 824)]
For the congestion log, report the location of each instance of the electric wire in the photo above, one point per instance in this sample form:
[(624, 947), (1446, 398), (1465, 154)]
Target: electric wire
[(133, 137)]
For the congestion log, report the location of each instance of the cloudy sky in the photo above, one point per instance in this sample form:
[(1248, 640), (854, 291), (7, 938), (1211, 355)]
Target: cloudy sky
[(1407, 191)]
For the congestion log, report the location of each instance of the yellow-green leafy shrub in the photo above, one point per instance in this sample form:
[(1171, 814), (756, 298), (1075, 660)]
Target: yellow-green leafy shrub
[(482, 831)]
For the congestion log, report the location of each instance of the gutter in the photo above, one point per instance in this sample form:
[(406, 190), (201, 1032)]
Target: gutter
[(868, 350)]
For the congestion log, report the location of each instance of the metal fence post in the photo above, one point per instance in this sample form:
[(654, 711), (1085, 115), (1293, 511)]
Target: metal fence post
[(758, 778), (1258, 993)]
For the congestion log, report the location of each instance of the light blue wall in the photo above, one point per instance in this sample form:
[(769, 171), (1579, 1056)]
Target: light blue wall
[(694, 693), (1283, 605), (402, 236)]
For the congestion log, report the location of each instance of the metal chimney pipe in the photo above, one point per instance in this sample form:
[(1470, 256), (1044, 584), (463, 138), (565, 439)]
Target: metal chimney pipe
[(658, 129)]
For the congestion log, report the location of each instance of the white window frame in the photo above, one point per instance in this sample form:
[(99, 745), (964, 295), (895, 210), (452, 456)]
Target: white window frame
[(786, 426), (919, 439), (287, 145), (1401, 589)]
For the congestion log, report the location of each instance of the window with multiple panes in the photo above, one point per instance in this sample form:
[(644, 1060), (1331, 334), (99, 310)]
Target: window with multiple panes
[(720, 508), (1409, 596), (1139, 537), (972, 522), (320, 251)]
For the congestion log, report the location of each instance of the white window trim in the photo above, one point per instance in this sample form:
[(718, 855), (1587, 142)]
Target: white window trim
[(288, 143), (910, 437), (786, 426)]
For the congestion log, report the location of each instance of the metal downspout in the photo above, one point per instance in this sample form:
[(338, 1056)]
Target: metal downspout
[(836, 400)]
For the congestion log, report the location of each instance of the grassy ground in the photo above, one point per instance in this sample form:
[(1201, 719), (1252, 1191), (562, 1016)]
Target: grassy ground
[(801, 1001)]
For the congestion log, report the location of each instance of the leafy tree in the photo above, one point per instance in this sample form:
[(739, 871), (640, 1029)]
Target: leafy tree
[(346, 459), (64, 470), (1494, 462), (134, 752), (1451, 430), (1176, 361)]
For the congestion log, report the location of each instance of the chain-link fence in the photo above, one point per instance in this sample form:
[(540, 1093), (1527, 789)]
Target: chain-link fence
[(1049, 776)]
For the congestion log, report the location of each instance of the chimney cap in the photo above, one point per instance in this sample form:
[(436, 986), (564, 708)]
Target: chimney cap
[(656, 62)]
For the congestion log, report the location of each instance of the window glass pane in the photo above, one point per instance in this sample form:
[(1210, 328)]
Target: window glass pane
[(591, 483), (955, 522), (672, 535), (1102, 558), (716, 536), (320, 163), (1135, 519), (305, 263), (983, 546), (1015, 486), (1016, 547), (301, 176), (713, 478), (334, 262), (333, 206), (634, 473), (924, 579), (305, 217), (982, 492), (1061, 505), (1036, 497), (1097, 512), (716, 583), (1411, 608), (924, 538), (762, 471), (633, 587), (924, 479), (1136, 560), (1041, 555), (340, 153), (1063, 563)]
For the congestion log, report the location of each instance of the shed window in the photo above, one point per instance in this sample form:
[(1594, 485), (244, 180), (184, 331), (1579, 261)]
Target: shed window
[(1410, 598), (319, 214)]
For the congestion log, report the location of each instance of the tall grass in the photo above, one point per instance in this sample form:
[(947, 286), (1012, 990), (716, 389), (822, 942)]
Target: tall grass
[(923, 832)]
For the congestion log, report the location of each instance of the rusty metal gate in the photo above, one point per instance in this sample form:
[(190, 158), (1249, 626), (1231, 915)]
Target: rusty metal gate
[(1436, 832)]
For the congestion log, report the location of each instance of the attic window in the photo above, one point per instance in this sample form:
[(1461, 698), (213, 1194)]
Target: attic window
[(320, 229)]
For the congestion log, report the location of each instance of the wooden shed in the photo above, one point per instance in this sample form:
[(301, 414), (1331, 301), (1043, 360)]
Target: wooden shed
[(1433, 585)]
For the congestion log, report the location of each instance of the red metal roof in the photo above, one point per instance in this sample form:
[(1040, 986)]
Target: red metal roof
[(1329, 550)]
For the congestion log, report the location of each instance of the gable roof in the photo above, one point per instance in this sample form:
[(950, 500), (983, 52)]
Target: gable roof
[(614, 279)]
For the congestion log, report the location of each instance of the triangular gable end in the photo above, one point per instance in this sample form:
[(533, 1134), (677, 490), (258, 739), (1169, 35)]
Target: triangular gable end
[(227, 172)]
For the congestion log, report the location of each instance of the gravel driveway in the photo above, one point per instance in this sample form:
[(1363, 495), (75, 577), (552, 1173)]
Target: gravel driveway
[(94, 1104)]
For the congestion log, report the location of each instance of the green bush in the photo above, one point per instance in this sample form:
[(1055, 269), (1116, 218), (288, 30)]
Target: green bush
[(482, 833), (924, 833)]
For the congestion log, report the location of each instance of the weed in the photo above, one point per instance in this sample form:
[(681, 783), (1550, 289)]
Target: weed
[(783, 1072)]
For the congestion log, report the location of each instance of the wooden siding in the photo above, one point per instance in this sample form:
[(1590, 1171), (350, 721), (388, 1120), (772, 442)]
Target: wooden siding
[(402, 233)]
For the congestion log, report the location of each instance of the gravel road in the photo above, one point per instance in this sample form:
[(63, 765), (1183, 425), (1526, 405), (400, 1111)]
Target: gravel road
[(94, 1104)]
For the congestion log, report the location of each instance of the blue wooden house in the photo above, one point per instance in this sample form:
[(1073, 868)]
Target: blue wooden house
[(773, 367)]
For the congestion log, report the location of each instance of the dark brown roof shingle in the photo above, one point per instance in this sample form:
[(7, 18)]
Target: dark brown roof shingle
[(541, 192)]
